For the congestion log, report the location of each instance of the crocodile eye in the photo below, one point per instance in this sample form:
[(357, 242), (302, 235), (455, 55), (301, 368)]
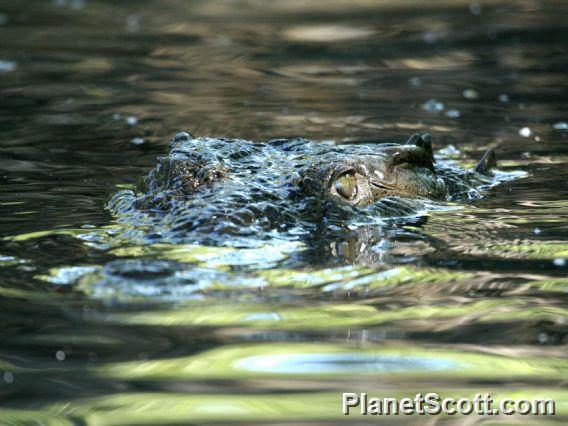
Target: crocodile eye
[(346, 185)]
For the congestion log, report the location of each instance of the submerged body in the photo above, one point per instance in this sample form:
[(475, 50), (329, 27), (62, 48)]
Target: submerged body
[(225, 187)]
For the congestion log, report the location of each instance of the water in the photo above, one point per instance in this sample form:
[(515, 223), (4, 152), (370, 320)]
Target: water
[(466, 299)]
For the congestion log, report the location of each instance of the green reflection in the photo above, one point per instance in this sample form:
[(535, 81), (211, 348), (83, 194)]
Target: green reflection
[(329, 316), (11, 261), (221, 258), (179, 408), (558, 284), (237, 362), (535, 250), (34, 417)]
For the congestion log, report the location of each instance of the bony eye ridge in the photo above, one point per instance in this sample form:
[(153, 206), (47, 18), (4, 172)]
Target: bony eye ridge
[(346, 185)]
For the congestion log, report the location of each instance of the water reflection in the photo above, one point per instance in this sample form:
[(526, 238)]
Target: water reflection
[(480, 289), (343, 364)]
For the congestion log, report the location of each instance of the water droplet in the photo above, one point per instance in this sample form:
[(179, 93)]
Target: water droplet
[(537, 231), (453, 113), (132, 121), (8, 377), (133, 23), (78, 4), (433, 106), (525, 132), (416, 81), (116, 116), (470, 94), (559, 261), (475, 8), (7, 66), (543, 338), (561, 125), (137, 141), (430, 37), (504, 98), (60, 356)]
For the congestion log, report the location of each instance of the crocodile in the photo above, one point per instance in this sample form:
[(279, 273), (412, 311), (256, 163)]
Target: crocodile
[(233, 191)]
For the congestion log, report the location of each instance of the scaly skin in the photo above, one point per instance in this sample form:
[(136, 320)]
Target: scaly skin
[(220, 187)]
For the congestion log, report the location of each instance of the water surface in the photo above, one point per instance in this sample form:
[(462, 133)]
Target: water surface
[(469, 298)]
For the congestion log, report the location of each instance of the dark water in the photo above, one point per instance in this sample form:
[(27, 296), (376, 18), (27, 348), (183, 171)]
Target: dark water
[(464, 300)]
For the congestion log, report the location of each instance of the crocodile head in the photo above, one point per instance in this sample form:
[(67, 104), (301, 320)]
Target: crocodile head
[(237, 187), (387, 170)]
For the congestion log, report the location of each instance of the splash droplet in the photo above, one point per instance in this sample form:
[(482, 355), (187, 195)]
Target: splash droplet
[(137, 141), (475, 8), (8, 377), (471, 94), (433, 106), (7, 66), (416, 81), (453, 113)]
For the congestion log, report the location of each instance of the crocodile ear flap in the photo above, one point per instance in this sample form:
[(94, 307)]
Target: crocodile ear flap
[(424, 141), (487, 162)]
